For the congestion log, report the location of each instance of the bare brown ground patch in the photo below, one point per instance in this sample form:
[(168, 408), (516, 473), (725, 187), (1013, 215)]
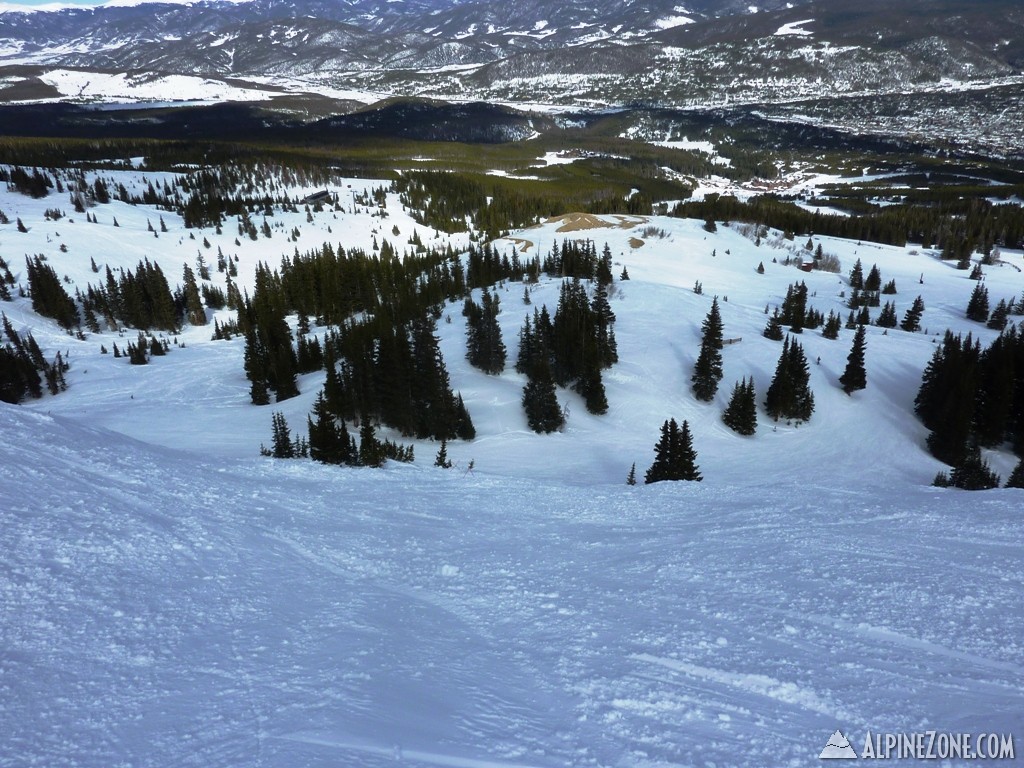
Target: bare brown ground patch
[(577, 222), (628, 222), (522, 245), (635, 242)]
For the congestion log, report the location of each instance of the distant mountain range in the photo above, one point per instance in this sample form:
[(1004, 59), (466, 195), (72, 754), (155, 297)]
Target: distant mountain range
[(322, 57)]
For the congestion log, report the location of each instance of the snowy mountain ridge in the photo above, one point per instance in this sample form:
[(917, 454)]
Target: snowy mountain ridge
[(589, 55)]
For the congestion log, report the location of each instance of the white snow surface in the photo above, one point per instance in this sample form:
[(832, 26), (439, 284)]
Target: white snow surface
[(96, 86), (668, 22), (169, 598), (794, 28)]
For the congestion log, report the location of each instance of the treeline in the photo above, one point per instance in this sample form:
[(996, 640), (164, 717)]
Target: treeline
[(452, 202), (456, 202), (954, 226)]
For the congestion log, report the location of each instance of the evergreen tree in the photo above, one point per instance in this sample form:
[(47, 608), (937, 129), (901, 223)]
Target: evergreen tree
[(604, 319), (442, 460), (543, 413), (194, 310), (994, 394), (328, 443), (485, 349), (887, 317), (631, 477), (1016, 478), (855, 377), (48, 295), (873, 282), (773, 329), (741, 413), (674, 456), (857, 276), (282, 447), (604, 267), (685, 460), (794, 307), (973, 473), (789, 395), (977, 307), (137, 351), (832, 326), (708, 369), (371, 451), (464, 428), (999, 316), (946, 399), (912, 319)]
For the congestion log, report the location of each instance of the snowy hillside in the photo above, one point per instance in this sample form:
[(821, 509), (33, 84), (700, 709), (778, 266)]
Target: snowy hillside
[(171, 598), (168, 609), (196, 398)]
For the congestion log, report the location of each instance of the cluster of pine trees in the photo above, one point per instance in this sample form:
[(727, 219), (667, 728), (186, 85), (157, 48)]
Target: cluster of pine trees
[(972, 398), (140, 299), (395, 375), (674, 456), (978, 308), (48, 295), (484, 347), (330, 442), (570, 350), (789, 395), (35, 184), (23, 369)]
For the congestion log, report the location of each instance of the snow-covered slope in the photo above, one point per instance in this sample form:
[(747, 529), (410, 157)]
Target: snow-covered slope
[(167, 609), (196, 397), (170, 598)]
